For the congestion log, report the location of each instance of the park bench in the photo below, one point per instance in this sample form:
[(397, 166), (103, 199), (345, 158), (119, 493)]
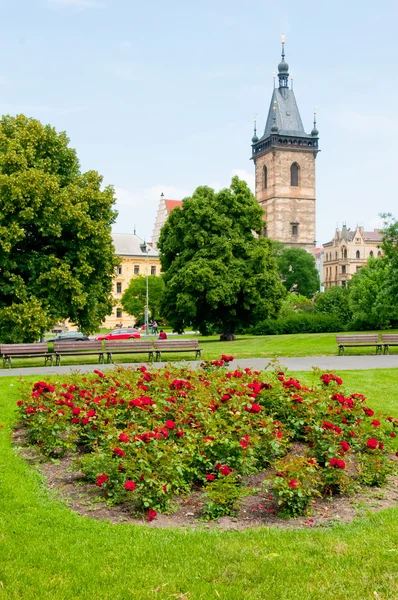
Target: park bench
[(78, 349), (128, 347), (389, 339), (162, 346), (358, 341), (10, 351)]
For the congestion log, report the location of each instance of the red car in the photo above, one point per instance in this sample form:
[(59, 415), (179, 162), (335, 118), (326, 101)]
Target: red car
[(119, 334)]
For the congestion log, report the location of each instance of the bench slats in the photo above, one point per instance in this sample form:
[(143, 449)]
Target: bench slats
[(39, 349), (78, 349), (177, 346), (128, 347), (389, 339), (357, 341)]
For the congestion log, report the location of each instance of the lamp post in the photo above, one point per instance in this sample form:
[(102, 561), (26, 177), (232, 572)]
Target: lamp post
[(145, 248)]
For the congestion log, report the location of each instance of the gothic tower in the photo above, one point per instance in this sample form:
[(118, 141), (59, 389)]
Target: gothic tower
[(284, 159)]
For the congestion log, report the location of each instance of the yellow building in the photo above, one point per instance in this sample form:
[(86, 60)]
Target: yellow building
[(347, 252), (133, 261)]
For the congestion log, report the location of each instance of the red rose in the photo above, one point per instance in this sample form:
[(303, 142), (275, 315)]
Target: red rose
[(210, 477), (76, 411), (337, 462), (179, 433), (151, 514), (369, 412), (170, 424), (224, 469), (101, 479), (372, 443), (91, 413), (119, 452), (75, 421), (293, 483), (123, 437), (84, 420), (393, 435), (345, 446), (376, 423), (129, 486)]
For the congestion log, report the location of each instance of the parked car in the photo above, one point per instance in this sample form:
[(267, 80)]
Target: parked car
[(69, 336), (120, 334)]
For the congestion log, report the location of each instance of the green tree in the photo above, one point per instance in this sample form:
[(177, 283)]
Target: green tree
[(134, 298), (371, 303), (298, 271), (56, 254), (334, 301), (294, 303), (217, 273)]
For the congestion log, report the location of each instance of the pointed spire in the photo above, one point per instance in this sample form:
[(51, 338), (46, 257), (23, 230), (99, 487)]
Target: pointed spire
[(255, 138), (314, 131), (274, 128), (283, 68)]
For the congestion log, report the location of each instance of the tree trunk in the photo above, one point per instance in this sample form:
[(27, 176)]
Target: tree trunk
[(227, 336)]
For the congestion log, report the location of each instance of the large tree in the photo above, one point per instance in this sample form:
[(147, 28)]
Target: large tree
[(217, 273), (335, 301), (298, 271), (56, 253), (134, 298)]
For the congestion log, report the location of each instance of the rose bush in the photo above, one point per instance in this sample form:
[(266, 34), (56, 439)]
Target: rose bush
[(148, 436)]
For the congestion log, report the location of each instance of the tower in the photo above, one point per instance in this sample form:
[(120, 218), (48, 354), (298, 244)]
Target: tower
[(284, 159)]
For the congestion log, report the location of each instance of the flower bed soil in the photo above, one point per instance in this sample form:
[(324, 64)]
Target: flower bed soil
[(258, 510)]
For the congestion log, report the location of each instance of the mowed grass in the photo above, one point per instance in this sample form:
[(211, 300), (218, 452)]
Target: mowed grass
[(245, 346), (48, 552)]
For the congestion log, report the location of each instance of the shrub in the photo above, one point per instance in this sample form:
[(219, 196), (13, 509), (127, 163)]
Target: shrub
[(298, 323), (147, 436)]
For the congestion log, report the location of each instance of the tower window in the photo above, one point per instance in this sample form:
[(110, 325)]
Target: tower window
[(265, 177), (294, 174), (294, 229), (358, 254)]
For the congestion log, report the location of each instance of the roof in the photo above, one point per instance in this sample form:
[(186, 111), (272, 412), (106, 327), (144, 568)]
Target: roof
[(367, 236), (372, 236), (128, 244), (171, 204), (287, 115)]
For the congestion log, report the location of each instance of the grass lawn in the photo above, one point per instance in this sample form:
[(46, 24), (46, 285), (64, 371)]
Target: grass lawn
[(48, 552), (246, 346)]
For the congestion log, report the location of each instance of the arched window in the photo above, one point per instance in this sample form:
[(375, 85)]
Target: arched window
[(345, 252), (379, 253), (294, 174), (265, 177), (358, 254), (371, 253)]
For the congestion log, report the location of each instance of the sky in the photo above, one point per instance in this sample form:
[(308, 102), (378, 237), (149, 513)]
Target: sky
[(161, 96)]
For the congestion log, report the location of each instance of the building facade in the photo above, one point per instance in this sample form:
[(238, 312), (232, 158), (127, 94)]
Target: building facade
[(133, 261), (347, 252), (284, 159), (165, 208)]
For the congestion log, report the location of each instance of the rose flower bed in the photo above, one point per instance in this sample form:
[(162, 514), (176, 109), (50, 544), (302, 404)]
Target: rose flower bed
[(149, 436)]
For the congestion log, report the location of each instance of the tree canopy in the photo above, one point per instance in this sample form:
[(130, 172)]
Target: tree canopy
[(298, 271), (134, 298), (217, 273), (56, 253), (335, 301)]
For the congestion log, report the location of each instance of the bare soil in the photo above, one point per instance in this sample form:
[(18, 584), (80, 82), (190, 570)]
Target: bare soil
[(257, 510)]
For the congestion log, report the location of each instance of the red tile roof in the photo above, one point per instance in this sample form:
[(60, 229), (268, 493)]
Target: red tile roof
[(171, 204)]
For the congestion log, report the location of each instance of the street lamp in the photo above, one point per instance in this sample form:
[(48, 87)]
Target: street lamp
[(145, 248)]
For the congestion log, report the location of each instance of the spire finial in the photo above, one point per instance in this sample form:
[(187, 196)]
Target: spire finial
[(283, 46), (255, 138), (283, 68), (314, 131)]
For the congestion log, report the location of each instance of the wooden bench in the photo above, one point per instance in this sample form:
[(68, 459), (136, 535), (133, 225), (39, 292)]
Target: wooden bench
[(78, 349), (359, 341), (389, 339), (10, 351), (177, 346), (128, 347)]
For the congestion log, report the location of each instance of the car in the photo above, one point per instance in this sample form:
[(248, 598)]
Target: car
[(69, 336), (120, 334)]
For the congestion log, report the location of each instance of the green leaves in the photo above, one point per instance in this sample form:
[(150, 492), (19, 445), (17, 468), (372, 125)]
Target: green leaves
[(56, 253), (134, 298), (217, 273), (298, 271)]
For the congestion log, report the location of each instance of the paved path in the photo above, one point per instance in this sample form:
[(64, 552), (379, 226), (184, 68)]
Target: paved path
[(306, 363)]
